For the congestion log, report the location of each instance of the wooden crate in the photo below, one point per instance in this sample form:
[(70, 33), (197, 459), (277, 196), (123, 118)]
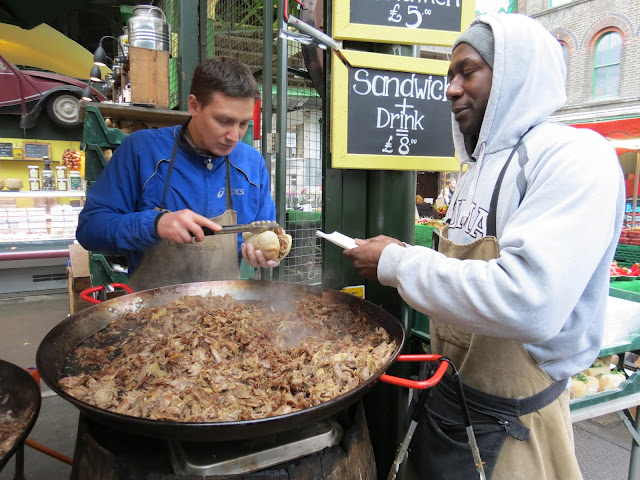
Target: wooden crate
[(77, 277), (149, 76)]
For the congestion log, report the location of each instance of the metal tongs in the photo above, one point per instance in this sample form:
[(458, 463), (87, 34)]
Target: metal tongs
[(401, 454), (253, 227)]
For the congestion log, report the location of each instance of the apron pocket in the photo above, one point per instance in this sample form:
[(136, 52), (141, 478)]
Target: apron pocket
[(440, 447)]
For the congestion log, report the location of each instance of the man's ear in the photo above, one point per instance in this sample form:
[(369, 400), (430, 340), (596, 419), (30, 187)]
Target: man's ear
[(193, 105)]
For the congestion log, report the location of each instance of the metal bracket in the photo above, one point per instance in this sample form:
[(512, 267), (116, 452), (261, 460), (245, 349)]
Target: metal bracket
[(272, 143), (629, 425), (321, 39)]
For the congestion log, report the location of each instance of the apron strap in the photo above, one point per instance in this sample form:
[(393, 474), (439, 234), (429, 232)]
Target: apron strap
[(491, 219), (171, 162), (485, 403), (228, 200)]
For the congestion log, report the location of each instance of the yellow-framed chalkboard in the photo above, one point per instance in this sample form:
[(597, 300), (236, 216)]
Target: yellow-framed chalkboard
[(390, 113), (6, 150), (417, 22), (36, 150)]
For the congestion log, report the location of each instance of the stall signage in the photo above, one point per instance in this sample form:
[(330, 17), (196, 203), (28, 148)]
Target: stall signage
[(422, 22), (36, 150), (6, 150), (390, 113)]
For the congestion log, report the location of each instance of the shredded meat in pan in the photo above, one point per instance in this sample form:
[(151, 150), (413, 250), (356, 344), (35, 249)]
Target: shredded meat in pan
[(12, 424), (214, 359)]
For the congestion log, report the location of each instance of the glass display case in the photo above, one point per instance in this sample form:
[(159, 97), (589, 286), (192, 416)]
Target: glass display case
[(36, 228)]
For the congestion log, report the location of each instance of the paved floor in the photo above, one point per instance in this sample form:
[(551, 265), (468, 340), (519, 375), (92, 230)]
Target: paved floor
[(603, 444)]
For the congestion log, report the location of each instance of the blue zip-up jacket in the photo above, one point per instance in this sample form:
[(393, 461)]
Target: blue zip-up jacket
[(118, 216)]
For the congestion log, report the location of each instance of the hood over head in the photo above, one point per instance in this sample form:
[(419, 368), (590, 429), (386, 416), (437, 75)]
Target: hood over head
[(480, 37), (528, 82)]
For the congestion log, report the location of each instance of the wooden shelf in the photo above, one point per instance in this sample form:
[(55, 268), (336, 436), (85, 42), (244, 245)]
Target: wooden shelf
[(152, 116)]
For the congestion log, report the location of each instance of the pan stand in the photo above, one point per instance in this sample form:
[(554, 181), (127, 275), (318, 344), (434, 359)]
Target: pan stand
[(244, 456)]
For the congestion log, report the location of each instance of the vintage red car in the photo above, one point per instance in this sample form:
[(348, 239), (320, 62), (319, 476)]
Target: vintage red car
[(29, 92)]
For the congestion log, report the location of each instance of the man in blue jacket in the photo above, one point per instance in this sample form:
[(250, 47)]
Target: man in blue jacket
[(163, 186)]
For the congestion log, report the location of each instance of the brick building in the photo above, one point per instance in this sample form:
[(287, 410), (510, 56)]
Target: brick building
[(601, 43)]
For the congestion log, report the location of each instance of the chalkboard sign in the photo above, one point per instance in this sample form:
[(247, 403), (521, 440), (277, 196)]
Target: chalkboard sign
[(390, 113), (422, 22), (6, 150), (36, 150)]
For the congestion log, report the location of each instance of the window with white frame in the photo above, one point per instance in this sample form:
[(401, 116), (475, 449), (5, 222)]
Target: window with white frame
[(606, 65)]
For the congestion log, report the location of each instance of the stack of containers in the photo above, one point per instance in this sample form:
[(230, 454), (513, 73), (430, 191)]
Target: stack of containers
[(64, 221), (96, 137)]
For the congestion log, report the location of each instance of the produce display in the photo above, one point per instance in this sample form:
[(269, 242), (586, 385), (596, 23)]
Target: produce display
[(216, 359), (630, 236), (430, 222), (597, 378), (72, 159), (617, 271)]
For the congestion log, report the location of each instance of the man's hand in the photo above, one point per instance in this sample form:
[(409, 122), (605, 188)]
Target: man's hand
[(366, 255), (182, 226), (255, 258)]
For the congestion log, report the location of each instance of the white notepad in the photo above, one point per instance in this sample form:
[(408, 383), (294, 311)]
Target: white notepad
[(338, 238)]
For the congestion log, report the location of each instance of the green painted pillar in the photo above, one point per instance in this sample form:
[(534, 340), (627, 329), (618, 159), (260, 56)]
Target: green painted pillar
[(281, 128), (188, 57), (364, 204), (390, 211)]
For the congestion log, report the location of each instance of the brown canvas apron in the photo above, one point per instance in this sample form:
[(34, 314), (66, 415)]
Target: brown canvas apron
[(520, 415), (170, 263)]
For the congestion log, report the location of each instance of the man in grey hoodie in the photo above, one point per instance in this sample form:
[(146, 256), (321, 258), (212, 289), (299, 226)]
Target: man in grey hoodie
[(517, 290)]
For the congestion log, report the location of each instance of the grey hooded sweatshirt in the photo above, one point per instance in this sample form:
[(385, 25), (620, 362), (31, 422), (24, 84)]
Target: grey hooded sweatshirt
[(559, 217)]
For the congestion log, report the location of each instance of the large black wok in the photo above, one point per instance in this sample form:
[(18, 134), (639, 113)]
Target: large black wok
[(59, 343), (23, 398)]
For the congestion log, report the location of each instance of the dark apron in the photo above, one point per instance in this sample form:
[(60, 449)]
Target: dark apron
[(520, 415), (170, 263)]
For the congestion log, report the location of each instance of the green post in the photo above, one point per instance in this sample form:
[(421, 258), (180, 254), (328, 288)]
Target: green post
[(281, 128), (390, 211), (187, 54), (364, 204)]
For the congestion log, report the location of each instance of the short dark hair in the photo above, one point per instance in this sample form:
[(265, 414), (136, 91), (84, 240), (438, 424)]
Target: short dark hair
[(223, 74)]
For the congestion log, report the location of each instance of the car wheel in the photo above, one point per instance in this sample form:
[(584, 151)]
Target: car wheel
[(64, 110)]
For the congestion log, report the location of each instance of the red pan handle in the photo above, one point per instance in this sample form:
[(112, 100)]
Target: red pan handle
[(85, 293), (418, 384)]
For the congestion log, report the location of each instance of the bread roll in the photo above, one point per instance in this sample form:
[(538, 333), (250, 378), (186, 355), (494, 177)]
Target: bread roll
[(1, 184), (13, 183), (583, 385), (592, 385), (274, 244), (597, 370), (578, 388), (610, 381)]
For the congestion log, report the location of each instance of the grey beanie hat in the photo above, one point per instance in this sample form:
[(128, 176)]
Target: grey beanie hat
[(479, 36)]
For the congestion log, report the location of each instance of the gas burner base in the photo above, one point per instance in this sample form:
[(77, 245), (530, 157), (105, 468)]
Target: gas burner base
[(243, 456), (106, 454)]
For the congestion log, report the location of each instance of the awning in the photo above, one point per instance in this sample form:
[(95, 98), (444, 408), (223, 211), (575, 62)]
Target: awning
[(625, 133), (46, 48)]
